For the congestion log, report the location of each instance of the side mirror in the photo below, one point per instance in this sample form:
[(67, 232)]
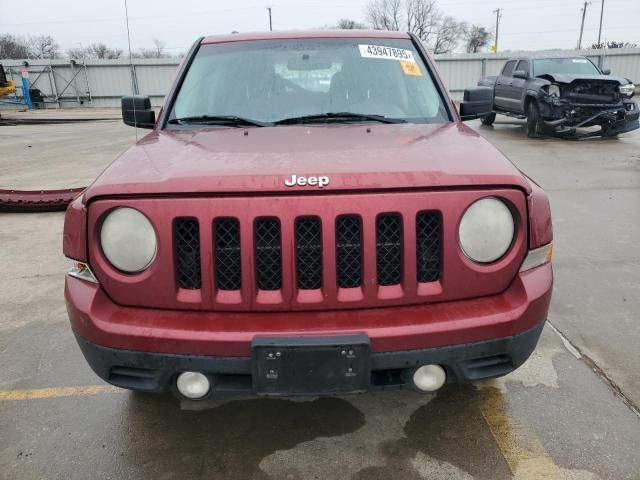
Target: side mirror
[(476, 102), (606, 71), (520, 74), (137, 112)]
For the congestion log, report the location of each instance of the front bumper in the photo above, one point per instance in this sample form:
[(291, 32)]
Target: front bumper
[(156, 372), (565, 118), (122, 342)]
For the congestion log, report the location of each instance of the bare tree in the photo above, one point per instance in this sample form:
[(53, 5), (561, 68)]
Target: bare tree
[(101, 50), (158, 47), (477, 37), (94, 51), (12, 47), (348, 24), (157, 51), (421, 17), (76, 53), (43, 46), (447, 35), (385, 14)]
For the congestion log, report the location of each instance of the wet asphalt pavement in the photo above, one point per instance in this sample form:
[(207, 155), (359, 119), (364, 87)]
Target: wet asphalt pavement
[(568, 413)]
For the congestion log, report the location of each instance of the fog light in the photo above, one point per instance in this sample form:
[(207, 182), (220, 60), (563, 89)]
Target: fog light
[(429, 378), (193, 385)]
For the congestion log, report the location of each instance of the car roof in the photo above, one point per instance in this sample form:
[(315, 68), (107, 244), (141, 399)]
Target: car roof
[(298, 34)]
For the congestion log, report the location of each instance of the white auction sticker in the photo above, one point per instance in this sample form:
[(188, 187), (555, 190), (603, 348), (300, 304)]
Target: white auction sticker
[(387, 53), (579, 60)]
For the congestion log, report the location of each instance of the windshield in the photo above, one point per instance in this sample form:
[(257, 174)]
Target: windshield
[(274, 80), (564, 65)]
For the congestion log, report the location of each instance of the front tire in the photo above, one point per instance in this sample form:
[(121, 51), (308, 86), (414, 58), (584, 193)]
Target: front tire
[(488, 119), (535, 125)]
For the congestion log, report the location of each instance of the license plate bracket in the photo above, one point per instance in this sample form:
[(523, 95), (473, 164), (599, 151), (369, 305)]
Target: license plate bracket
[(311, 365)]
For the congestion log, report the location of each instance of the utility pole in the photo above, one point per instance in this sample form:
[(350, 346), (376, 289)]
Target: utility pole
[(584, 14), (498, 17), (601, 15), (270, 23)]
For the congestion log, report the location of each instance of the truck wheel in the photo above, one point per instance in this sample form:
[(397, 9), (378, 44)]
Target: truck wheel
[(535, 127), (488, 119)]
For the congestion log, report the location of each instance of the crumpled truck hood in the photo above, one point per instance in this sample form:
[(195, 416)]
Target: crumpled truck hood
[(569, 78)]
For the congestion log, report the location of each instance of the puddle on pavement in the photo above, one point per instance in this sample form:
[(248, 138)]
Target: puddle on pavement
[(231, 439)]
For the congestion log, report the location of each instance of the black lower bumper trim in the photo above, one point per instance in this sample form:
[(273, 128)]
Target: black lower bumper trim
[(156, 372)]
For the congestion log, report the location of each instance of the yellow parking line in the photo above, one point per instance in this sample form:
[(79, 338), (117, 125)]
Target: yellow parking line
[(13, 395), (521, 448)]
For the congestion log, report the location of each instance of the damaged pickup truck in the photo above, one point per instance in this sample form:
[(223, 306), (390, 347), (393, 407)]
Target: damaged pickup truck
[(563, 96)]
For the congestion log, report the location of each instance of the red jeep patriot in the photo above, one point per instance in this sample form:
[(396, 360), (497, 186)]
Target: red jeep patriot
[(308, 216)]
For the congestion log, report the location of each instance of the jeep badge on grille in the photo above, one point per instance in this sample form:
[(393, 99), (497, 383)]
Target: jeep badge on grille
[(303, 181)]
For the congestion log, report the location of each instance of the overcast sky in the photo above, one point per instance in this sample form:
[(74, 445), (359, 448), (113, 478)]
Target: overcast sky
[(526, 24)]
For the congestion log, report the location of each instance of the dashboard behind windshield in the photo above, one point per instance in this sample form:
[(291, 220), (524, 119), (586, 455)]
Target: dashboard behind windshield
[(272, 80)]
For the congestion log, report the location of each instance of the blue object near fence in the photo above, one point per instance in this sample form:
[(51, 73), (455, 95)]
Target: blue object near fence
[(26, 96), (25, 93)]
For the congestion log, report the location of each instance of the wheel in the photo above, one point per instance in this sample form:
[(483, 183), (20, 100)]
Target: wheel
[(535, 125), (488, 119)]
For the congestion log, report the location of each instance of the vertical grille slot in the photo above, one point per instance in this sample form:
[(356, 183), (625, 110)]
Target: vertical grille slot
[(268, 254), (428, 246), (308, 253), (187, 245), (228, 271), (349, 251), (389, 249)]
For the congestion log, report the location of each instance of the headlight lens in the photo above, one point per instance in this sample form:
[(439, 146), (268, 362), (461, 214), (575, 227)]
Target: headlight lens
[(553, 90), (627, 90), (486, 230), (128, 240)]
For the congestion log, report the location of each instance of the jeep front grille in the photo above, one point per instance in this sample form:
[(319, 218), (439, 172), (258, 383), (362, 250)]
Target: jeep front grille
[(328, 251), (389, 249), (309, 252), (228, 259), (428, 246), (268, 254), (187, 245), (349, 251)]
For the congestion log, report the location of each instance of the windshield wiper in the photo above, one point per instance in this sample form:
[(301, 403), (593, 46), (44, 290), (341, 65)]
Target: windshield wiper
[(338, 116), (230, 120)]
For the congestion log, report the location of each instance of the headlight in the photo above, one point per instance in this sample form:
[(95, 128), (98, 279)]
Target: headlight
[(128, 240), (627, 90), (486, 230), (553, 90)]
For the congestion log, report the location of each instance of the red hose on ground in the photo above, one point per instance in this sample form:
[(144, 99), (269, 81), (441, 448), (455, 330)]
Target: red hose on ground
[(37, 200)]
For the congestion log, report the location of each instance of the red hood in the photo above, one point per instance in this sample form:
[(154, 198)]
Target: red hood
[(355, 157)]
